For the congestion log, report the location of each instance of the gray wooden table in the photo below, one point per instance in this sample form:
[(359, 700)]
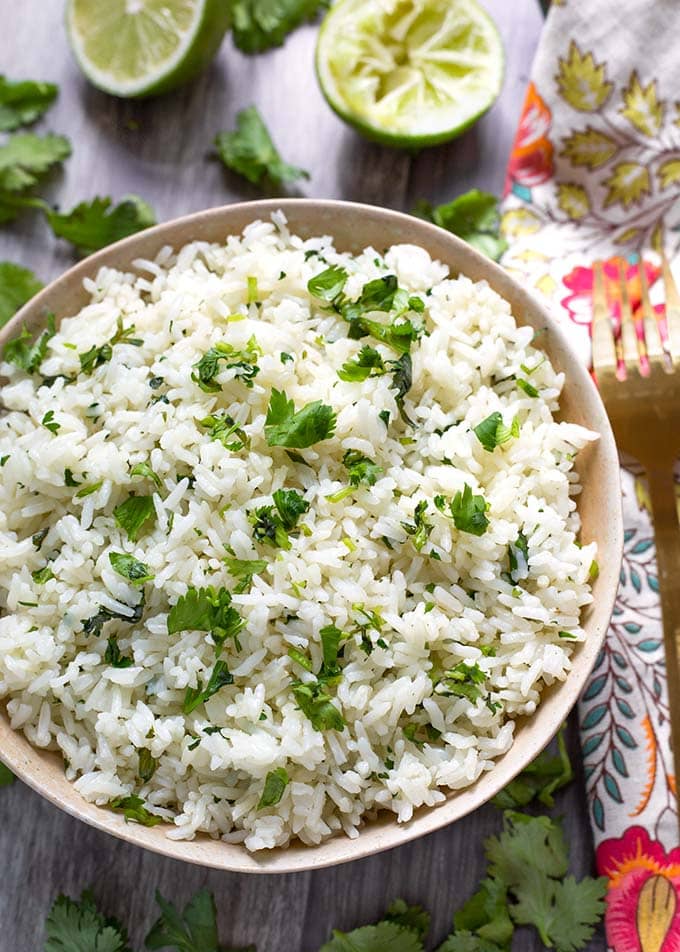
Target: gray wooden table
[(160, 150)]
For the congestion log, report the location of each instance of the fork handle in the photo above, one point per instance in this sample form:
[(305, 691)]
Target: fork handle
[(667, 533)]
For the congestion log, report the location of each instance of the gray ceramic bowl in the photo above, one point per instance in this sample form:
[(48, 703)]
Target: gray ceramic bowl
[(354, 227)]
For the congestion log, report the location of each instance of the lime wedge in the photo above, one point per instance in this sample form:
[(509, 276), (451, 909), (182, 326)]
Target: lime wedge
[(141, 47), (409, 72)]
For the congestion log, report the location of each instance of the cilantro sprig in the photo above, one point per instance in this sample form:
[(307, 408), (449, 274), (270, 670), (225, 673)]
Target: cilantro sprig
[(23, 101), (297, 429), (259, 25), (207, 609), (17, 285), (243, 361), (361, 471), (474, 217), (249, 151), (274, 525)]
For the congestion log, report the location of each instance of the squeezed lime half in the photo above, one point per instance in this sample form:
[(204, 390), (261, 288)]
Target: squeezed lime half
[(409, 73), (135, 48)]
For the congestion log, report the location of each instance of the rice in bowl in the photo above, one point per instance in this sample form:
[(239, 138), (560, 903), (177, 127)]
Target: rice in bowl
[(274, 560)]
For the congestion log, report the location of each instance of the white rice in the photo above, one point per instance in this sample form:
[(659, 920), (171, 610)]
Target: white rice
[(437, 613)]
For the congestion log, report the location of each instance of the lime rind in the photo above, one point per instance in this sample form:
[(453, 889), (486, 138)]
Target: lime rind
[(146, 51), (409, 73)]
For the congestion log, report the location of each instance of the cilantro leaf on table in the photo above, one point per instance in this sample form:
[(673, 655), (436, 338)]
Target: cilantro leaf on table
[(23, 101), (97, 223), (133, 809), (414, 918), (526, 842), (543, 777), (250, 152), (133, 514), (297, 429), (259, 25), (486, 914), (468, 942), (474, 217), (275, 784), (564, 912), (6, 776), (220, 676), (17, 285), (25, 352), (244, 361), (206, 609), (382, 937), (492, 432), (192, 930), (26, 157), (361, 470), (78, 926), (130, 568)]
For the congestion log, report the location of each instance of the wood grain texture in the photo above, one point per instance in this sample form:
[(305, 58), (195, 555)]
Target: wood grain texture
[(160, 150)]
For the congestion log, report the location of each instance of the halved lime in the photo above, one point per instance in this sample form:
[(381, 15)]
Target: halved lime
[(137, 48), (409, 72)]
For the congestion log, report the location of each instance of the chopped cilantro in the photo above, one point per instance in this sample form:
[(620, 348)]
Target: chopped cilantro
[(367, 363), (243, 362), (219, 678), (468, 511), (89, 490), (593, 571), (420, 528), (133, 810), (94, 625), (245, 569), (527, 387), (226, 431), (40, 576), (362, 471), (299, 658), (402, 379), (249, 151), (134, 514), (286, 358), (69, 479), (518, 558), (96, 356), (492, 432), (328, 285), (284, 426), (49, 422), (384, 415), (316, 703), (144, 471), (113, 655), (275, 784), (17, 284), (3, 459), (147, 764), (39, 537), (206, 609), (273, 525), (463, 681), (128, 567), (567, 635), (364, 622), (331, 637)]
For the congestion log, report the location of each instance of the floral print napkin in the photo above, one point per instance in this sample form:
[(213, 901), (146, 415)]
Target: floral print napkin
[(595, 173)]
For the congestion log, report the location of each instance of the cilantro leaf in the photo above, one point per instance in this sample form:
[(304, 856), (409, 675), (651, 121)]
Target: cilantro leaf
[(383, 937), (467, 942), (316, 703), (474, 217), (23, 101), (144, 471), (226, 431), (518, 558), (17, 285), (96, 356), (259, 25), (273, 525), (402, 379), (113, 655), (95, 224), (243, 361), (468, 511), (331, 637), (464, 681), (526, 843), (6, 776), (367, 363), (26, 353), (486, 914), (206, 609), (249, 151), (362, 471), (527, 387), (78, 926), (414, 918), (565, 915), (50, 423), (130, 568), (133, 514), (134, 811), (290, 505), (284, 426), (26, 157), (275, 783), (40, 576), (94, 625), (219, 678), (492, 432), (147, 764), (245, 569), (420, 528), (328, 285), (193, 930), (540, 780)]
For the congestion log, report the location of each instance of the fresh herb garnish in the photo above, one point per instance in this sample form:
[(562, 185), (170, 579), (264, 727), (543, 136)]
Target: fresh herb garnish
[(144, 471), (39, 537), (250, 151), (328, 285), (402, 379), (194, 930), (543, 777), (40, 576), (72, 926), (17, 284), (50, 423), (147, 764), (226, 431), (284, 426), (361, 470), (69, 479), (463, 681), (219, 678), (259, 25), (273, 525), (130, 568), (366, 621), (23, 101), (244, 362), (96, 356), (24, 159), (133, 810), (26, 353), (207, 609), (94, 625), (474, 217), (316, 703), (275, 784), (367, 363), (134, 514), (244, 570), (527, 387), (286, 358), (467, 510), (113, 655), (95, 224), (492, 432), (518, 558), (89, 490), (420, 528)]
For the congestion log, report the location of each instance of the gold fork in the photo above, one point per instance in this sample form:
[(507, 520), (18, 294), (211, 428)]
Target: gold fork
[(639, 381)]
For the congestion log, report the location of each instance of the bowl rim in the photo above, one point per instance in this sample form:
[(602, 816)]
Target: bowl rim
[(36, 767)]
